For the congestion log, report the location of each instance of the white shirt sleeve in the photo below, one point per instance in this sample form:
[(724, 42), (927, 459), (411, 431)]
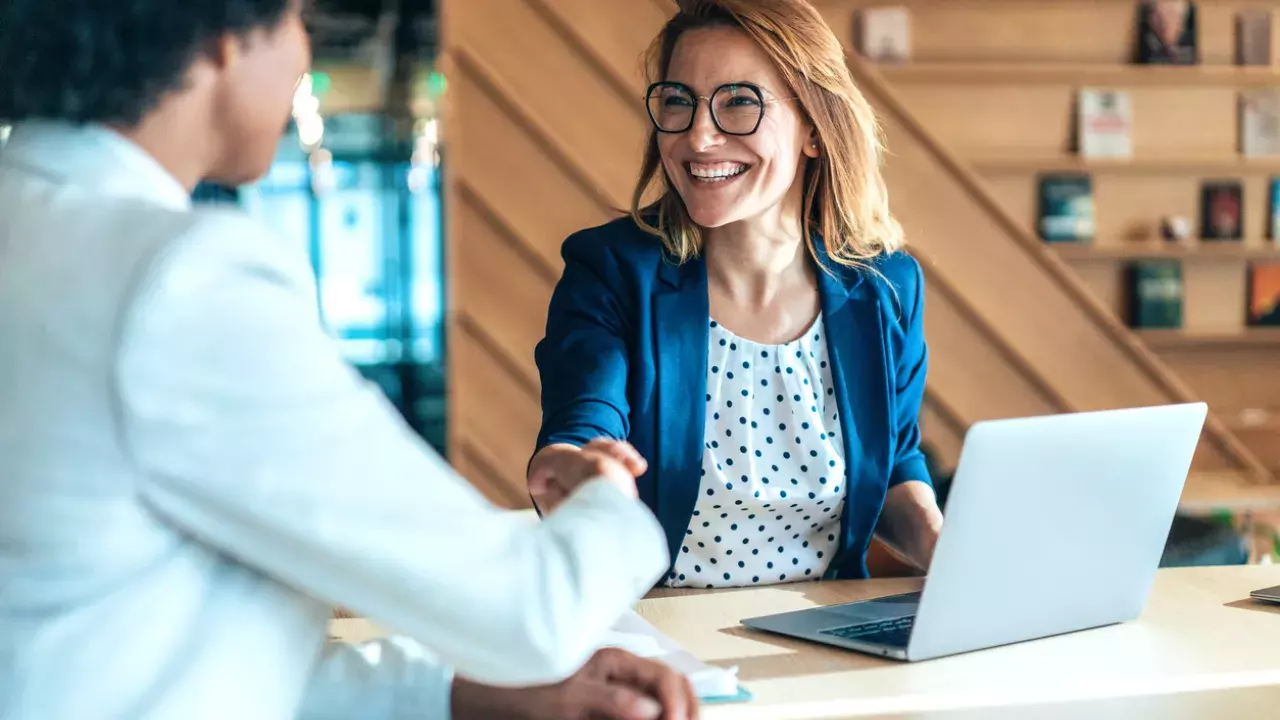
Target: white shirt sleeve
[(382, 679), (260, 441)]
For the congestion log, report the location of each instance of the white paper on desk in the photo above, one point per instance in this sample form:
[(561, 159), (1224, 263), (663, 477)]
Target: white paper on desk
[(634, 634)]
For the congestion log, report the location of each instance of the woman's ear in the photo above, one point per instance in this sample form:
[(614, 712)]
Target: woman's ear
[(812, 147)]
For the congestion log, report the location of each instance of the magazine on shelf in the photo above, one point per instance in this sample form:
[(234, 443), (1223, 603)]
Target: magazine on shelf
[(1105, 123)]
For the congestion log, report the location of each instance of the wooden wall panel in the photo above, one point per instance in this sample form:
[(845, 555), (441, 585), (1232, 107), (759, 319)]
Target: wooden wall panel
[(1103, 280), (618, 40), (1265, 441), (474, 465), (1244, 378), (980, 382), (495, 410), (505, 292), (502, 162), (1215, 296), (557, 91), (942, 436)]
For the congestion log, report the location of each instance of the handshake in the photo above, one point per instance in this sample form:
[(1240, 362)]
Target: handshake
[(557, 470)]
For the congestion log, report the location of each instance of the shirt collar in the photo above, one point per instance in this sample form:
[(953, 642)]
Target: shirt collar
[(95, 158)]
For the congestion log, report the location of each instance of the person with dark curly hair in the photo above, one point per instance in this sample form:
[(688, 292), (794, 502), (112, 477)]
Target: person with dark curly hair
[(191, 479)]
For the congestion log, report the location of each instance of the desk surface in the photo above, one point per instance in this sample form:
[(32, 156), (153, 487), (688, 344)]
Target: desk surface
[(1200, 637), (1201, 649)]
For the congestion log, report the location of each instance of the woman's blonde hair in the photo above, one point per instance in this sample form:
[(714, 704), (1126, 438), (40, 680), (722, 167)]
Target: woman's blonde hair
[(845, 198)]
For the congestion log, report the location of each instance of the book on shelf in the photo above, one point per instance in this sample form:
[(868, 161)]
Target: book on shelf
[(1253, 37), (1155, 293), (1273, 209), (1264, 295), (1104, 123), (1066, 208), (1260, 122), (885, 34), (1167, 33), (1221, 210)]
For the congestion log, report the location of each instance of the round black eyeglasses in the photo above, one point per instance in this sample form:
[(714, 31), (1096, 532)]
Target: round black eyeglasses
[(736, 108)]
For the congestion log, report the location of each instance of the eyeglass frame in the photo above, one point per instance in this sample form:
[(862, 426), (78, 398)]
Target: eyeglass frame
[(693, 116)]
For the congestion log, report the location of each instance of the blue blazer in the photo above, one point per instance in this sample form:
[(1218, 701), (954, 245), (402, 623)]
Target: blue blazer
[(625, 357)]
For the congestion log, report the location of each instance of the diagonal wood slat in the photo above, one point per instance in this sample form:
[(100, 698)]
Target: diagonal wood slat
[(504, 294), (539, 199), (480, 470), (494, 407), (557, 92)]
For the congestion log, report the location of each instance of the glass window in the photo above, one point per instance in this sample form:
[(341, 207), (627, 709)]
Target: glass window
[(282, 200), (426, 288), (355, 245)]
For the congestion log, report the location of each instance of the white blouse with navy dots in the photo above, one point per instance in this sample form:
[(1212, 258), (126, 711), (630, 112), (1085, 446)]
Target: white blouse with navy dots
[(772, 488)]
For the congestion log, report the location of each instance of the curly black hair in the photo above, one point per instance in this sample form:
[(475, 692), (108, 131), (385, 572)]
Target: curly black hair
[(110, 61)]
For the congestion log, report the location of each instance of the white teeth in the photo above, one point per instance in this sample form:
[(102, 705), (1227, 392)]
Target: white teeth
[(718, 171)]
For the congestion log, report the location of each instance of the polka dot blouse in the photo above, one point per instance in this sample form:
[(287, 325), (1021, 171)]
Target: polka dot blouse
[(772, 487)]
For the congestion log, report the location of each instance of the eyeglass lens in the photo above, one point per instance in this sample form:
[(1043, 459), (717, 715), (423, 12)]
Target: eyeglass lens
[(735, 109)]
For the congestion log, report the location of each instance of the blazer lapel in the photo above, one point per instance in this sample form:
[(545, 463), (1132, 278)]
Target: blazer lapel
[(855, 342), (681, 327)]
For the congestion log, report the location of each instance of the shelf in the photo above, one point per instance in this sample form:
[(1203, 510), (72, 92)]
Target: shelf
[(1157, 249), (1225, 166), (986, 3), (1211, 492), (1253, 420), (1006, 73), (1182, 339)]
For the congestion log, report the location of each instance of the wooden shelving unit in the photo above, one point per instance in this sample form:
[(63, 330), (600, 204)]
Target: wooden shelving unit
[(998, 81), (1226, 166), (1208, 493), (1178, 339), (1119, 250), (1080, 74)]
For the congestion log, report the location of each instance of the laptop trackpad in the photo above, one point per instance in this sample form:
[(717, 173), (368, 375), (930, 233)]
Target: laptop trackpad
[(874, 610)]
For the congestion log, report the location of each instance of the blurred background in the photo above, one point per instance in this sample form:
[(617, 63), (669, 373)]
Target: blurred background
[(357, 184), (1091, 186)]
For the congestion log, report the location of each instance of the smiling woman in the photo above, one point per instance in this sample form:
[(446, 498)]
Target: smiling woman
[(756, 333), (794, 56)]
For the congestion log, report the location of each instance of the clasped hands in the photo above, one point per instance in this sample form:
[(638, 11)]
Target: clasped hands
[(615, 684), (557, 470)]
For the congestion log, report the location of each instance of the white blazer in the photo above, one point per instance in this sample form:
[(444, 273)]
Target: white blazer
[(191, 478)]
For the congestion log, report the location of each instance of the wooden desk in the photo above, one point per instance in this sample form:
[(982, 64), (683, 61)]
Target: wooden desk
[(1201, 648)]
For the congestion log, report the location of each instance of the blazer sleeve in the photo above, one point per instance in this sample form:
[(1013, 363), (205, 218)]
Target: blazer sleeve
[(582, 359), (259, 441), (912, 364)]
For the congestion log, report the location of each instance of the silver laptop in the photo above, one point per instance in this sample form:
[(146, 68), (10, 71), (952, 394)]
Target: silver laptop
[(1053, 524)]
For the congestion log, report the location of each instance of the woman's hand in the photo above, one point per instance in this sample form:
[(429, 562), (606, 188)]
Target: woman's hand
[(557, 470)]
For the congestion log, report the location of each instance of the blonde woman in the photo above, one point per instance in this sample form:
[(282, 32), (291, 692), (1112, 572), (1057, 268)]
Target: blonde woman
[(752, 342)]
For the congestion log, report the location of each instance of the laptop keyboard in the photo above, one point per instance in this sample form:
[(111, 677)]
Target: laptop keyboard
[(894, 633)]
